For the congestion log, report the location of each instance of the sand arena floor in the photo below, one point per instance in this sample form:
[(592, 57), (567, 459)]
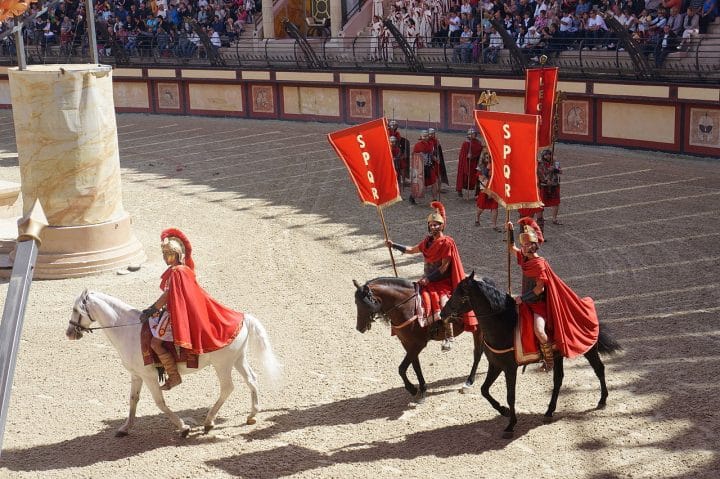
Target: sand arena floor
[(278, 231)]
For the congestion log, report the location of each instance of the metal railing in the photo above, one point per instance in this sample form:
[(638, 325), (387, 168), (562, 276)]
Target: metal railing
[(697, 61)]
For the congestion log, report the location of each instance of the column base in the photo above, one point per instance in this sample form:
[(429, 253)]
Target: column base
[(74, 251)]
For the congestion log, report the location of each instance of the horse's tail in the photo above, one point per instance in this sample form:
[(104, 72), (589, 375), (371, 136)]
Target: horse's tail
[(261, 342), (606, 343)]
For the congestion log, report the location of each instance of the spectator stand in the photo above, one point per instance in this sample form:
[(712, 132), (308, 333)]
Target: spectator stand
[(311, 58), (413, 63)]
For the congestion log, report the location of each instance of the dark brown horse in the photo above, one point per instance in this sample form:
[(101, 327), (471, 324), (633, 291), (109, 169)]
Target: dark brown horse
[(393, 301), (497, 317)]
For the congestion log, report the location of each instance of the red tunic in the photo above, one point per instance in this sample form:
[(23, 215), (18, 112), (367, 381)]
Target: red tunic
[(571, 322), (199, 323), (434, 251), (467, 167)]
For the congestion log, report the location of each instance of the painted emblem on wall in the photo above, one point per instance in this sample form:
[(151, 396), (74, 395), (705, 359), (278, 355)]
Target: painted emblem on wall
[(575, 117), (168, 95), (462, 106), (361, 103), (704, 128), (263, 100)]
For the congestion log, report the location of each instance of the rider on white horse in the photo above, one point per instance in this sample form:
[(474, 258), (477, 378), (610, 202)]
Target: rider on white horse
[(185, 314)]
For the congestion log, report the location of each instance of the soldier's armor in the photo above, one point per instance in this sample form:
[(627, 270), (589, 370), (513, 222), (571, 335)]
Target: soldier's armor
[(431, 267), (527, 285)]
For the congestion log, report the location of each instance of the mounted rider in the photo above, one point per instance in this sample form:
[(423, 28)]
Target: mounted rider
[(185, 316), (442, 272), (550, 311)]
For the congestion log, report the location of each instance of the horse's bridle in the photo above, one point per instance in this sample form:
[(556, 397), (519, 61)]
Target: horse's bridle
[(374, 301), (79, 328)]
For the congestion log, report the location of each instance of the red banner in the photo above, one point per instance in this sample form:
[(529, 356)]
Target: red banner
[(365, 150), (540, 87), (512, 141)]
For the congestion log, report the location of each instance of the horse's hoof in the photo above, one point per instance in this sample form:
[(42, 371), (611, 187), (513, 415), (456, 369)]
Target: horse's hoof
[(208, 428), (250, 421), (120, 433), (185, 432), (508, 434), (413, 391), (601, 405), (548, 419), (465, 388), (420, 397)]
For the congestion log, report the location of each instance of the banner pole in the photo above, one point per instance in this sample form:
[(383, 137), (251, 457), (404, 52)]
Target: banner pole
[(387, 238), (509, 250)]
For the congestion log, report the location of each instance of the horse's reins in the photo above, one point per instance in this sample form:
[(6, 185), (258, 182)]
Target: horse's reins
[(496, 351), (371, 296), (79, 328)]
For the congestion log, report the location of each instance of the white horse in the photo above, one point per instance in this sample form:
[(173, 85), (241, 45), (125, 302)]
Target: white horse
[(121, 324)]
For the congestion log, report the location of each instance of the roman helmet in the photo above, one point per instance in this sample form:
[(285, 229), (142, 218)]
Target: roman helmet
[(393, 124), (173, 240), (546, 155), (530, 232), (393, 140), (437, 216), (472, 133), (424, 135), (431, 132)]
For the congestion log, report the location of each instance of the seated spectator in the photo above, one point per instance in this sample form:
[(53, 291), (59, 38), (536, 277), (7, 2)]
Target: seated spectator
[(494, 46), (652, 6), (463, 50), (691, 27), (667, 42), (675, 20), (596, 30), (582, 7)]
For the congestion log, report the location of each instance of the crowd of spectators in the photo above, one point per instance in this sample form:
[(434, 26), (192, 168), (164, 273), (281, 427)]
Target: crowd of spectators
[(160, 27), (540, 27)]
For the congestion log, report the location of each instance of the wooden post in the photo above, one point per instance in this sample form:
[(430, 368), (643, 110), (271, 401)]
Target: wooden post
[(508, 234), (387, 238)]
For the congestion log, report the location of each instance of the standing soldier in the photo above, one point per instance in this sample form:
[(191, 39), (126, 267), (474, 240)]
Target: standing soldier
[(549, 182), (438, 154), (467, 163), (397, 161), (431, 168), (404, 146)]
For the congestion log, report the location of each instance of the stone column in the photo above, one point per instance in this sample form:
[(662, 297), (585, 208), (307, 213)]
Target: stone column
[(268, 21), (68, 154), (335, 18)]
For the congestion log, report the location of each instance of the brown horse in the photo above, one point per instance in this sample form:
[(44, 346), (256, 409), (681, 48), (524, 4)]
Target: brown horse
[(393, 301)]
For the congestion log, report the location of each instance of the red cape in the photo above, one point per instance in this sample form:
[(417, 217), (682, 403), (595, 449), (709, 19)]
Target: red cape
[(572, 322), (465, 168), (445, 247), (199, 323)]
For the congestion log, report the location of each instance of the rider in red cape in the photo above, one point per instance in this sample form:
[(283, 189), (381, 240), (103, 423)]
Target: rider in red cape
[(185, 314), (443, 270), (548, 307)]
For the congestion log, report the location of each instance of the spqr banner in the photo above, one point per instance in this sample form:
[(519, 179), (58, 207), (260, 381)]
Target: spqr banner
[(512, 141), (540, 86), (365, 150)]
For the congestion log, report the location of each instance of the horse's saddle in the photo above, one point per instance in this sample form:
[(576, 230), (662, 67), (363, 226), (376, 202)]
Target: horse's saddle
[(181, 355)]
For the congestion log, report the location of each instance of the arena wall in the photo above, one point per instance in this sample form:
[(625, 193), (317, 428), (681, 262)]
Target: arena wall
[(673, 118)]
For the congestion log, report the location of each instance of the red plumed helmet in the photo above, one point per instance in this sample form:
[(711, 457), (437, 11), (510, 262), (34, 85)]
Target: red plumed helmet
[(176, 233), (530, 230), (438, 215)]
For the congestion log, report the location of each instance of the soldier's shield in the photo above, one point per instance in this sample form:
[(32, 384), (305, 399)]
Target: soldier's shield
[(417, 175)]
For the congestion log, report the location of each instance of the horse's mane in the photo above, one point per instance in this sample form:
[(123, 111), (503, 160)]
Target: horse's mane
[(498, 300), (112, 301), (391, 281)]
